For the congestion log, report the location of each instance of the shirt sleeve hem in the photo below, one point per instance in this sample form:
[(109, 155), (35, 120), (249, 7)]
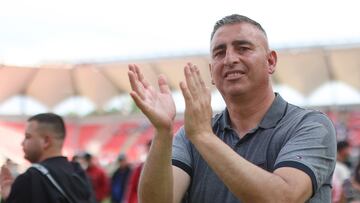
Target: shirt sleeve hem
[(302, 167), (183, 166)]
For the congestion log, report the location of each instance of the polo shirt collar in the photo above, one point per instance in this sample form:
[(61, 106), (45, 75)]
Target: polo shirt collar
[(275, 112), (271, 118)]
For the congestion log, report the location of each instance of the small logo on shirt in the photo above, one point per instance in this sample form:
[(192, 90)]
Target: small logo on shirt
[(298, 157)]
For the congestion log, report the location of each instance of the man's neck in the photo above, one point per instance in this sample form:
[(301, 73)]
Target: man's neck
[(246, 113), (50, 154)]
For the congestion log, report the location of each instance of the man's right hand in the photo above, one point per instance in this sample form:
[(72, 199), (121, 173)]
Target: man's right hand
[(158, 106), (6, 181)]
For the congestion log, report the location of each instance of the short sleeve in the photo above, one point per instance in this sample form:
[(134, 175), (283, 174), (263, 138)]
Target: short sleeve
[(311, 149), (181, 152)]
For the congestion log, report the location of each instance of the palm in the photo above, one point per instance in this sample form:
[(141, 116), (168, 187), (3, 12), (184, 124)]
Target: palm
[(197, 97), (158, 106)]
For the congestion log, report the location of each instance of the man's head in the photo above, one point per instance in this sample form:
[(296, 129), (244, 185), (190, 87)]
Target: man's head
[(122, 160), (234, 19), (85, 159), (241, 61), (44, 137), (343, 151)]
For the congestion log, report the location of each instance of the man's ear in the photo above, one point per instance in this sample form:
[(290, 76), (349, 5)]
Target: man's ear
[(272, 60), (47, 140), (210, 69)]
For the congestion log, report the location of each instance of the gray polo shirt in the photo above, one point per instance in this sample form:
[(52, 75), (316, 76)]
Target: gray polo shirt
[(287, 136)]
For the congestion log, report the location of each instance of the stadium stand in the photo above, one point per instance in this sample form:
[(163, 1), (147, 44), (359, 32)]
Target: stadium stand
[(107, 137)]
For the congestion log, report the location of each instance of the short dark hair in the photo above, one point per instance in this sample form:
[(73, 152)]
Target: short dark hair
[(121, 157), (233, 19), (342, 145), (87, 156), (54, 122)]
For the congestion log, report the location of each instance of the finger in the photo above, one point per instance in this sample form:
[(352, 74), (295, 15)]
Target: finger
[(199, 82), (135, 84), (186, 93), (190, 83), (131, 68), (139, 102), (132, 76), (196, 84), (196, 75), (163, 85), (141, 77)]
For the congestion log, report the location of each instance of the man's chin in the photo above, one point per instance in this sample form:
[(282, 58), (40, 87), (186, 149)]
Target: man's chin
[(29, 160)]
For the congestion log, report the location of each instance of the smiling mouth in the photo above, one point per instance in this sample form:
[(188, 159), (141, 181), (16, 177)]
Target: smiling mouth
[(234, 75)]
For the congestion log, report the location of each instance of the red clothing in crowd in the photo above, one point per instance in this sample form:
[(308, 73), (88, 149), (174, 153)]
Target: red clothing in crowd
[(100, 182), (132, 192)]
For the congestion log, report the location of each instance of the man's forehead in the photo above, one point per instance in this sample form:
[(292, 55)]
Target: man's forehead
[(243, 30), (32, 126)]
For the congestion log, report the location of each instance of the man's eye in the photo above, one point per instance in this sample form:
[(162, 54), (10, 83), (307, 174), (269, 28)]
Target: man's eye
[(219, 53), (243, 48)]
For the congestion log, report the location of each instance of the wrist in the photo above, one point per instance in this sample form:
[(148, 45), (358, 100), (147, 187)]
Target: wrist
[(199, 136), (164, 132)]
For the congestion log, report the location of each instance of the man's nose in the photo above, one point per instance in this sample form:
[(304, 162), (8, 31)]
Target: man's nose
[(231, 57)]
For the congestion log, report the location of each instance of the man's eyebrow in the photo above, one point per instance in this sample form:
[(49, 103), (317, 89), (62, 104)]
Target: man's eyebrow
[(241, 42), (234, 43)]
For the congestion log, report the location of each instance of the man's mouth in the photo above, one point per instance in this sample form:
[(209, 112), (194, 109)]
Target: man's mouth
[(234, 74)]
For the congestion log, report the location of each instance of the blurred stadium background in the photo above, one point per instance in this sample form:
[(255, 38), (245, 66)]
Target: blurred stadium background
[(324, 78), (89, 86)]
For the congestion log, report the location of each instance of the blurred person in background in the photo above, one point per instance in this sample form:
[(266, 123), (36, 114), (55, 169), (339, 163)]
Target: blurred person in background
[(132, 192), (343, 157), (119, 179), (342, 170), (259, 149), (42, 144), (97, 176), (350, 192)]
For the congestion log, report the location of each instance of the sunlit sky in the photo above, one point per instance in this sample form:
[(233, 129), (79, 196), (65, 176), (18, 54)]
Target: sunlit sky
[(34, 32), (40, 31)]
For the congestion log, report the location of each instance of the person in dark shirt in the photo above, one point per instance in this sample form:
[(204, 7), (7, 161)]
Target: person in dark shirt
[(119, 179), (44, 138)]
